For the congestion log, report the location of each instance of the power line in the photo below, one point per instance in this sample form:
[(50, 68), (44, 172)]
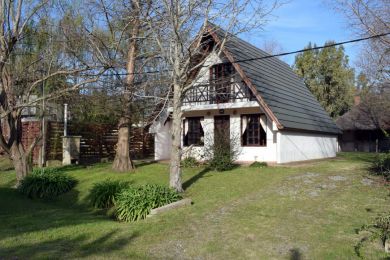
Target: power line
[(315, 48), (258, 58), (271, 56)]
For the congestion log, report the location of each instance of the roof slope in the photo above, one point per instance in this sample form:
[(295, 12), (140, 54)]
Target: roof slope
[(359, 118), (282, 90)]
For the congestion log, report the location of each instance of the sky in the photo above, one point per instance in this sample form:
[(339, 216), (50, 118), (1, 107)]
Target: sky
[(298, 22)]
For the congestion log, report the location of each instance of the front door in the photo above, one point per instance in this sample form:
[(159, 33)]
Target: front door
[(222, 129)]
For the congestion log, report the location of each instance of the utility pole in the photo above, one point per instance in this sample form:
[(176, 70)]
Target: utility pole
[(43, 153), (65, 119)]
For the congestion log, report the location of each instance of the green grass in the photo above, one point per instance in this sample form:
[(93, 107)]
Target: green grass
[(308, 210)]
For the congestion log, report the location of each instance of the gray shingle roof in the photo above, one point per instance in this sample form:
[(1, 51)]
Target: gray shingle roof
[(283, 91)]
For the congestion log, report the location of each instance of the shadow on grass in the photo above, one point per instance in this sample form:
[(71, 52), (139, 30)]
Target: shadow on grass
[(201, 174), (139, 164), (195, 178), (295, 254), (77, 247), (19, 214)]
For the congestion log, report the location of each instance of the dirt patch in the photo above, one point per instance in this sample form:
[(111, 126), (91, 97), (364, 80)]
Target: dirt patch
[(367, 182), (337, 178)]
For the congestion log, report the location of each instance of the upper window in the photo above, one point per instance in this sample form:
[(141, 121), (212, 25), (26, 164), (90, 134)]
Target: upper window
[(193, 131), (220, 80), (253, 129)]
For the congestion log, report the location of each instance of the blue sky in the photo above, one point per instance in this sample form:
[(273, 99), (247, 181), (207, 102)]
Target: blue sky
[(298, 22)]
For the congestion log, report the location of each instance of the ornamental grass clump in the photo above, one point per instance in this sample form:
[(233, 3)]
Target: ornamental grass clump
[(103, 194), (135, 203), (46, 183)]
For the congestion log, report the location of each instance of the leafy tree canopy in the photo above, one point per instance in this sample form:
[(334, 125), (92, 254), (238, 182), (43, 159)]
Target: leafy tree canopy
[(327, 74)]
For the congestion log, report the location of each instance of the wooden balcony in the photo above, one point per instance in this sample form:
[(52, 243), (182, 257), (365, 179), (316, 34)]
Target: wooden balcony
[(217, 94)]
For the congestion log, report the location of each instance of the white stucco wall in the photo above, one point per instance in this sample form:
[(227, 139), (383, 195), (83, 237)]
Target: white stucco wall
[(301, 146), (162, 141), (245, 154)]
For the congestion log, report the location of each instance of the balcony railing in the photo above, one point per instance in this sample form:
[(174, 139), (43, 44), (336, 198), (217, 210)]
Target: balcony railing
[(211, 94)]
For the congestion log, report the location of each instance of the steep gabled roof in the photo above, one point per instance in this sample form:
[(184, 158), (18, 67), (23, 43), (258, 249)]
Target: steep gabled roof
[(281, 93)]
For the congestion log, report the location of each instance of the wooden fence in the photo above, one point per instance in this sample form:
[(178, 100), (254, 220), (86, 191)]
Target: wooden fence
[(97, 141)]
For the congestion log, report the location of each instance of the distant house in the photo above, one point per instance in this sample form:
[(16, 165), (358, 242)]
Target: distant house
[(361, 132), (260, 102)]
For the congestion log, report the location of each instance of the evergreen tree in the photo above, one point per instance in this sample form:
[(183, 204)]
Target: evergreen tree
[(328, 76)]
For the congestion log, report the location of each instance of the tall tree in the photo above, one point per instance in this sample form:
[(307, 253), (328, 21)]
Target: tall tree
[(327, 74), (30, 57), (179, 33), (123, 34), (370, 18)]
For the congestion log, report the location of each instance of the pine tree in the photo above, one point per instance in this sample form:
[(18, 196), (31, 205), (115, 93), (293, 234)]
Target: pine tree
[(327, 74)]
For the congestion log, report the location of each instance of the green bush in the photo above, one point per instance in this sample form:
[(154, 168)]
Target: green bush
[(221, 162), (46, 184), (135, 203), (381, 165), (189, 162), (47, 170), (379, 229), (258, 164), (103, 194), (223, 151)]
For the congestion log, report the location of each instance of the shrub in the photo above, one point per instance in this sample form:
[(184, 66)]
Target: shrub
[(258, 164), (380, 228), (381, 165), (103, 194), (46, 184), (223, 151), (189, 162), (135, 203), (47, 170), (221, 161)]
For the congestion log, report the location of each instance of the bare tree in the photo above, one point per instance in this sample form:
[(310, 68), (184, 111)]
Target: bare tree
[(180, 33), (369, 18), (28, 60), (272, 46), (127, 45)]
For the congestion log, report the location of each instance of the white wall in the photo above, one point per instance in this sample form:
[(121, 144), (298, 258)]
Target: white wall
[(162, 141), (300, 146), (246, 154), (203, 78)]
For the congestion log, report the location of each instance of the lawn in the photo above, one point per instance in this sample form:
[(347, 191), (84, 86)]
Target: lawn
[(302, 211)]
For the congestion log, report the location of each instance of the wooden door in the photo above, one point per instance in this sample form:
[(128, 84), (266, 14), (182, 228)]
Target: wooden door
[(222, 129)]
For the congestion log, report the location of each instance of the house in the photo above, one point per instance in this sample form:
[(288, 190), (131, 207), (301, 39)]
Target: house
[(261, 104), (363, 128)]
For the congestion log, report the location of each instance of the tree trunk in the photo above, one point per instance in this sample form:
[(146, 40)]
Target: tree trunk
[(175, 168), (21, 162), (122, 161)]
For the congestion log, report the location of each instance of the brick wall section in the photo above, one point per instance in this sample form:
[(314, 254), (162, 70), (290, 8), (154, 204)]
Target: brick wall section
[(31, 129)]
